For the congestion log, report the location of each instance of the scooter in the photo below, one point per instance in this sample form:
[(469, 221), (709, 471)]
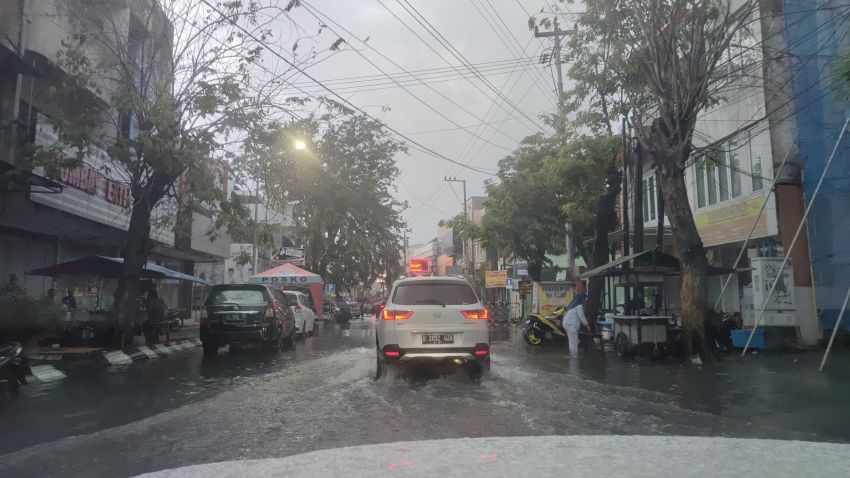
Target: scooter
[(13, 367), (536, 328), (175, 318)]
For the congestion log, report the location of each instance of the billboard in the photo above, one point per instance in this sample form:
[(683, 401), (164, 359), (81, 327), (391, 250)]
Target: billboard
[(238, 267), (495, 279)]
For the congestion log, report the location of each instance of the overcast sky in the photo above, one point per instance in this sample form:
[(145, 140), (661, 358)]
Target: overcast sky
[(491, 34)]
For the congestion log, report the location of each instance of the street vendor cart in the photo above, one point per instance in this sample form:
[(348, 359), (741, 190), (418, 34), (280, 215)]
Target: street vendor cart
[(644, 323)]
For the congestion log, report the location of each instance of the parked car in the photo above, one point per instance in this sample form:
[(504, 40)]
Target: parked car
[(305, 318), (246, 313), (341, 311), (355, 309), (433, 321)]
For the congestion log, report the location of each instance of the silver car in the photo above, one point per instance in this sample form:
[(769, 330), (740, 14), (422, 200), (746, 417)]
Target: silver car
[(433, 321)]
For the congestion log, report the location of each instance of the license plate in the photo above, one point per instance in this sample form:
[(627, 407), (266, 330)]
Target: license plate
[(234, 319), (428, 339)]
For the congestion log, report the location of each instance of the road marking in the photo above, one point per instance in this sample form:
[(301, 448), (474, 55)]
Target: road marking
[(47, 373), (117, 357), (162, 349)]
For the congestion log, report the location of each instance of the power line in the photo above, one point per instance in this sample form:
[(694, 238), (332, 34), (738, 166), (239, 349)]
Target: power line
[(315, 12), (459, 56), (344, 100)]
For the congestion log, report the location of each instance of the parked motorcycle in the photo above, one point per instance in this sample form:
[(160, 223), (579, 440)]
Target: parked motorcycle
[(175, 318), (13, 367), (536, 328)]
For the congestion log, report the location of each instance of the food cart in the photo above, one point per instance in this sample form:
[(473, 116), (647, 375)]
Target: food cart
[(644, 323)]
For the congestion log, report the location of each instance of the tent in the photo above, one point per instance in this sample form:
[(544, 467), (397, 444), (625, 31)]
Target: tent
[(292, 275), (110, 267)]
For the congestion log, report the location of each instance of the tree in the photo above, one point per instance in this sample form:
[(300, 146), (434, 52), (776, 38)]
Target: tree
[(524, 219), (171, 102), (678, 48), (587, 183), (339, 188)]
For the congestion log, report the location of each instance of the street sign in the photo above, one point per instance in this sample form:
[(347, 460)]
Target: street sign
[(521, 269), (561, 276), (509, 283), (495, 279), (330, 288)]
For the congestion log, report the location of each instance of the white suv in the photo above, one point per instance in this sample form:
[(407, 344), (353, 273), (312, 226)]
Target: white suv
[(433, 320)]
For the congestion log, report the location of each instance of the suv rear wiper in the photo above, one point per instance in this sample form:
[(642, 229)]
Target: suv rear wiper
[(431, 301)]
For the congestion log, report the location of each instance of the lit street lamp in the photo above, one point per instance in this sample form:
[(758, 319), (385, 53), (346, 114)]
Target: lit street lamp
[(300, 145)]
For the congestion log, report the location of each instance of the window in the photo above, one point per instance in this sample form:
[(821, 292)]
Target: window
[(735, 169), (711, 176), (434, 293), (250, 296), (650, 192), (722, 175), (757, 178), (700, 174)]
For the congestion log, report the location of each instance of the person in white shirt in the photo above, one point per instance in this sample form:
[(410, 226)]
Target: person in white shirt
[(573, 320)]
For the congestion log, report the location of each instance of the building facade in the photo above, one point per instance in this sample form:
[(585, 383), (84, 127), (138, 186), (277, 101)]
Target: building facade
[(49, 218)]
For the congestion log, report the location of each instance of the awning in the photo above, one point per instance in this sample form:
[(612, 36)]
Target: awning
[(646, 261), (292, 275), (110, 267), (286, 274)]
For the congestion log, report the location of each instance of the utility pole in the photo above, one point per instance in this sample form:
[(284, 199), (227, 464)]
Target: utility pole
[(405, 246), (471, 272), (556, 35)]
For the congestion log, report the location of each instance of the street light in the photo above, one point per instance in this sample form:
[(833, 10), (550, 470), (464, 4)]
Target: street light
[(300, 145)]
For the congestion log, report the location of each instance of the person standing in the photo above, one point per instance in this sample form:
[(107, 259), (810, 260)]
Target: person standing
[(69, 301), (572, 322), (155, 311)]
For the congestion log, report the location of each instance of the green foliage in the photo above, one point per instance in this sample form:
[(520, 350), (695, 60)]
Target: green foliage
[(524, 217), (339, 189), (23, 317)]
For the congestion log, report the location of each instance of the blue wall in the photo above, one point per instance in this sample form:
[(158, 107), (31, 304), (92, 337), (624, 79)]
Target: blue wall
[(817, 34)]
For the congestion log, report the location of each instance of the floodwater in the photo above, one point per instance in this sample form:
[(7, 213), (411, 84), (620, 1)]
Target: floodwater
[(187, 409)]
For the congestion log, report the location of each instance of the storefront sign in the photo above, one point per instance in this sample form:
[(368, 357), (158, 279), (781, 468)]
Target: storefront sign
[(520, 269), (495, 279), (554, 296), (118, 193), (81, 177), (732, 222)]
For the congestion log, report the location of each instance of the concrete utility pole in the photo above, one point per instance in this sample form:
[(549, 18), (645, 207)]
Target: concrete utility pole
[(556, 35), (471, 272), (405, 246)]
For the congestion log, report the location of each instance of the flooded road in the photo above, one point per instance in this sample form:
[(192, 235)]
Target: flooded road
[(186, 409)]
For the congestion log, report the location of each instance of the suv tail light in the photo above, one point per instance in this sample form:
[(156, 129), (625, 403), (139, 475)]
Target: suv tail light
[(270, 315), (476, 314), (481, 350), (205, 317), (396, 314)]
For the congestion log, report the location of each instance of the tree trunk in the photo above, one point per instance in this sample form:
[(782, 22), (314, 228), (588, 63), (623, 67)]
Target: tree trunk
[(137, 247), (606, 218), (694, 265)]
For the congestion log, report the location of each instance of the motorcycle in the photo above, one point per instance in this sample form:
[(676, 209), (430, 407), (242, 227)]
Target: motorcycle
[(13, 367), (536, 327), (175, 318)]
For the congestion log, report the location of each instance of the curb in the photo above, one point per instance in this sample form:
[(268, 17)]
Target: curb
[(143, 352)]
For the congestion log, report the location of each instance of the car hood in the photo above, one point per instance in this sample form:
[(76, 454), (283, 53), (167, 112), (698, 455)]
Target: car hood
[(548, 456)]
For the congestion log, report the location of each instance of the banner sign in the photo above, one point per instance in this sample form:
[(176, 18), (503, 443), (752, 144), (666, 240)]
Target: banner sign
[(495, 279)]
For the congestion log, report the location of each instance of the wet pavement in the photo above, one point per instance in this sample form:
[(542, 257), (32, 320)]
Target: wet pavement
[(185, 409)]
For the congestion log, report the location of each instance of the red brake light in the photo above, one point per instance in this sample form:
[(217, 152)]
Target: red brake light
[(396, 314), (481, 353), (392, 353), (476, 314)]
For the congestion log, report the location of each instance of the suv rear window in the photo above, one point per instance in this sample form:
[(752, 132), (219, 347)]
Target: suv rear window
[(440, 293), (246, 296)]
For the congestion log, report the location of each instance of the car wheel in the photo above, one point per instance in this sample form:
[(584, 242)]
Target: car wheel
[(210, 349), (380, 366)]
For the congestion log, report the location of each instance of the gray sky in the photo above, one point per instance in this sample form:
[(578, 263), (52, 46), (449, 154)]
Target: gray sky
[(527, 84)]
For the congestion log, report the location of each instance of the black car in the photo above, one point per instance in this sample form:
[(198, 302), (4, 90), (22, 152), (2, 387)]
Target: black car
[(341, 311), (246, 313), (355, 309)]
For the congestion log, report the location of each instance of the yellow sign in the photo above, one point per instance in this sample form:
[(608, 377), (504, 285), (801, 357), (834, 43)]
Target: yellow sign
[(495, 279), (732, 222), (554, 296)]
